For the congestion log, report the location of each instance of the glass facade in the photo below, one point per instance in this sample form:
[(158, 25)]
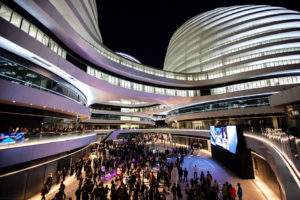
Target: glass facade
[(144, 109), (120, 117), (127, 109)]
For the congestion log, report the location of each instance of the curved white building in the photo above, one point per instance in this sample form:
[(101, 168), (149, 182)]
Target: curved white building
[(234, 39)]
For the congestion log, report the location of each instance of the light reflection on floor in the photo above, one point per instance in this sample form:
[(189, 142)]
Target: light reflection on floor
[(221, 174), (265, 188)]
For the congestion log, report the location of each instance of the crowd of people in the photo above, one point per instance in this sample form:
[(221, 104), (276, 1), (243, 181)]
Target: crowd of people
[(205, 187), (133, 170), (275, 134), (288, 143)]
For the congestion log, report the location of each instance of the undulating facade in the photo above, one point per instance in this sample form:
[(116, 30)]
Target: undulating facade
[(231, 65)]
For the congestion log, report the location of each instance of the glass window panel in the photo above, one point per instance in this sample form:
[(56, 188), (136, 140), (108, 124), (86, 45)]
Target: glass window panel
[(39, 36), (59, 51), (32, 31), (5, 12), (50, 44), (181, 93), (170, 92), (191, 93), (16, 19), (92, 71), (138, 87), (149, 89), (55, 48), (98, 74), (63, 54), (88, 70), (294, 79), (25, 25), (45, 40)]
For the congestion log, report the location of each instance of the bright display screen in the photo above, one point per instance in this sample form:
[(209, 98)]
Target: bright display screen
[(9, 138), (225, 137)]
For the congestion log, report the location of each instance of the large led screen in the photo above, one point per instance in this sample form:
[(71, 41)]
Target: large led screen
[(225, 137)]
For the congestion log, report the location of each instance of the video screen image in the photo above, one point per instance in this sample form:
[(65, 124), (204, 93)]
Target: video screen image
[(10, 138), (224, 136)]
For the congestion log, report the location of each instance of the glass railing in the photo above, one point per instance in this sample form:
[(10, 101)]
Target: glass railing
[(27, 137), (19, 74), (223, 105)]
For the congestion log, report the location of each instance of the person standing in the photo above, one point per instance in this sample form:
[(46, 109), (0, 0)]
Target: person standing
[(178, 191), (185, 174), (78, 193), (195, 172), (174, 175), (44, 191), (174, 191), (180, 173), (239, 191), (208, 178), (232, 192), (224, 191)]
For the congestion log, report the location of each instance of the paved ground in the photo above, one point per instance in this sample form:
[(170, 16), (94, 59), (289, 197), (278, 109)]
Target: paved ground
[(203, 162)]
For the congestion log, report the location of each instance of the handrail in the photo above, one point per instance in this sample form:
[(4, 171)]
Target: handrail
[(290, 165)]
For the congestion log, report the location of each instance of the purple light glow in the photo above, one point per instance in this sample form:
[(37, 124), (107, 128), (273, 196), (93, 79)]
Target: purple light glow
[(110, 175)]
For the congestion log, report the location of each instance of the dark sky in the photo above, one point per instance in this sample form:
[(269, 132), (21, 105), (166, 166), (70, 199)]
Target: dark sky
[(143, 28)]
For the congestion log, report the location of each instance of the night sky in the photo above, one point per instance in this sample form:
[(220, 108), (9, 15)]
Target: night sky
[(144, 28)]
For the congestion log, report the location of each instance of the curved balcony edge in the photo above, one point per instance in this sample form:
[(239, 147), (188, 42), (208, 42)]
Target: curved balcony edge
[(28, 151), (21, 95)]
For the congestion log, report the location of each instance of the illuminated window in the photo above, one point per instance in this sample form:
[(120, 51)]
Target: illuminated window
[(5, 12), (16, 19), (137, 86), (32, 30), (25, 25), (40, 36)]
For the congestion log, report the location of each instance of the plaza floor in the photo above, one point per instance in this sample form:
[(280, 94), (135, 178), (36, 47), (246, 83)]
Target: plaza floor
[(204, 163)]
